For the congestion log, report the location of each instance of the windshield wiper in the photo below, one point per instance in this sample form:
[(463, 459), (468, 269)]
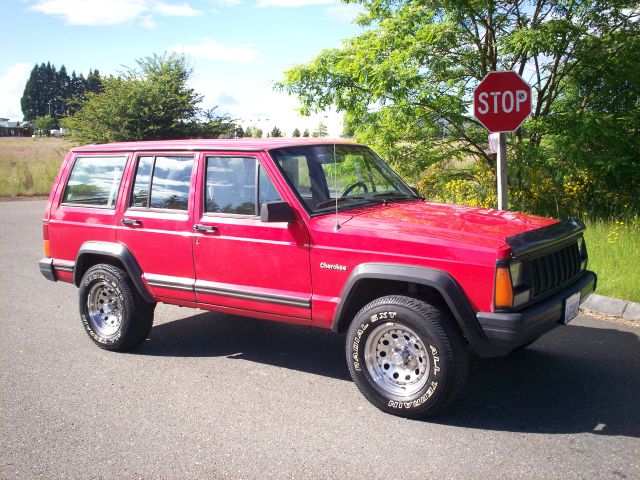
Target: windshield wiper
[(343, 199), (398, 195)]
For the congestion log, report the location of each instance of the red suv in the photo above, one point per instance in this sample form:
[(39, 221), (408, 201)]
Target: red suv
[(313, 233)]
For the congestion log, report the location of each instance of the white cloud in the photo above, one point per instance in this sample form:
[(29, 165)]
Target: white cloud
[(227, 3), (110, 12), (293, 3), (12, 84), (212, 50), (171, 10)]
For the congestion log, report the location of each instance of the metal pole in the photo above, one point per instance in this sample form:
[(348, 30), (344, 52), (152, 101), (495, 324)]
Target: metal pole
[(502, 173)]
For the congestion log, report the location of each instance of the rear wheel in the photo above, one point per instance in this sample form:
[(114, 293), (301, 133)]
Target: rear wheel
[(114, 315), (406, 357)]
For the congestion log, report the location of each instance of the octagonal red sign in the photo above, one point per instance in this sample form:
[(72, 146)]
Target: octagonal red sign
[(502, 101)]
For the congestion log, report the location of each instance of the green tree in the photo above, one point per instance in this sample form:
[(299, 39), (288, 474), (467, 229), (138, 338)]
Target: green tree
[(253, 132), (151, 101), (414, 69), (213, 125), (296, 133), (44, 124), (49, 91), (276, 132), (320, 131), (305, 134)]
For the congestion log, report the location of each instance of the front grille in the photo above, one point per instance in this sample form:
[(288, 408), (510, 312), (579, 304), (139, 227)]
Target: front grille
[(554, 269)]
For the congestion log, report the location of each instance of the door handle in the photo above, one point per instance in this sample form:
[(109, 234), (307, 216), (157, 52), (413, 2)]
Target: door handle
[(130, 222), (205, 228)]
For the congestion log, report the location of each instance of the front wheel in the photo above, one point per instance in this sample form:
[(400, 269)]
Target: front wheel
[(114, 315), (405, 356)]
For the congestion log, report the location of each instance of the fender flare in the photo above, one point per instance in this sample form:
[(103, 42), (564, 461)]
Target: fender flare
[(120, 253), (441, 281)]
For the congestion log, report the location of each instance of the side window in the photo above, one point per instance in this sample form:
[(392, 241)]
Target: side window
[(94, 181), (230, 186), (162, 182)]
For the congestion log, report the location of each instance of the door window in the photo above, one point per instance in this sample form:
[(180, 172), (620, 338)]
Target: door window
[(230, 186), (162, 182)]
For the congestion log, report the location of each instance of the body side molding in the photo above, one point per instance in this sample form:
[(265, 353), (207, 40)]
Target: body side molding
[(117, 251), (440, 280)]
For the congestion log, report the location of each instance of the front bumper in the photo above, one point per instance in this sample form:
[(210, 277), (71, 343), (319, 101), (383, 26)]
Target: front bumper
[(506, 331)]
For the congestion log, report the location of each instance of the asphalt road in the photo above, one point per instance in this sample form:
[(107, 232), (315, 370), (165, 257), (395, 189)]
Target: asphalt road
[(211, 396)]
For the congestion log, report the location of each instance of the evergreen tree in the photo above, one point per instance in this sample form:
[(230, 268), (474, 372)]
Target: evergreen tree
[(320, 131), (296, 133), (94, 81), (276, 132), (306, 133)]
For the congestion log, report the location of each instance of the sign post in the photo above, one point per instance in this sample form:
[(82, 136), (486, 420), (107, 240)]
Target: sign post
[(501, 102)]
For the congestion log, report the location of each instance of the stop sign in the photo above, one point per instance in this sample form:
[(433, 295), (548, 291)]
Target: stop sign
[(502, 101)]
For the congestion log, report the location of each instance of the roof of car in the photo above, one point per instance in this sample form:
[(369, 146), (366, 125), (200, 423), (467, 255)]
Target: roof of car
[(238, 144)]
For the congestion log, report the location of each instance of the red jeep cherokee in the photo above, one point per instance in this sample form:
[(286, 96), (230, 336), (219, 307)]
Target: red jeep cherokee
[(310, 233)]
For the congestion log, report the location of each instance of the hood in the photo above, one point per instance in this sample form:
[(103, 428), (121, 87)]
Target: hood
[(471, 225)]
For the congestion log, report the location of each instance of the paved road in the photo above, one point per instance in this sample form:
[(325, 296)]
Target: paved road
[(210, 396)]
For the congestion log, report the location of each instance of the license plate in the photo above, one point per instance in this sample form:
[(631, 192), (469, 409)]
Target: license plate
[(571, 306)]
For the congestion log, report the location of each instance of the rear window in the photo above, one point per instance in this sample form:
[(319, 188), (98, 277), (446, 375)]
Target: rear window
[(94, 181)]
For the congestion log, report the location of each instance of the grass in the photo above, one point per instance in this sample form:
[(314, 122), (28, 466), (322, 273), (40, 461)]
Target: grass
[(28, 166), (614, 254)]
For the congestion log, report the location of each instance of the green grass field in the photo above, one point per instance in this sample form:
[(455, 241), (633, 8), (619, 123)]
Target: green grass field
[(28, 166), (614, 254)]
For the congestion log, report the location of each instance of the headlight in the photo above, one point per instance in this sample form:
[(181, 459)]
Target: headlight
[(516, 273)]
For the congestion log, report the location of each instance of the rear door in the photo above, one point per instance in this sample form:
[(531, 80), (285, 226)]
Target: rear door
[(85, 209), (240, 261), (156, 222)]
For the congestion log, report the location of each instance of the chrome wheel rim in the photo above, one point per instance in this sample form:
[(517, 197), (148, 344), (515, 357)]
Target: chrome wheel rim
[(397, 360), (105, 309)]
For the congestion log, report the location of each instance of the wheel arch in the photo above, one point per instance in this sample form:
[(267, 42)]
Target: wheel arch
[(92, 253), (390, 278)]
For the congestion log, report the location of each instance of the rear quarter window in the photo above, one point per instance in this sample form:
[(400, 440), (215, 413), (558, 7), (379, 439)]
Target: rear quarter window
[(94, 181)]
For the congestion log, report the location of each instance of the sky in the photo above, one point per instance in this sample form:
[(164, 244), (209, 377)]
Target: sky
[(237, 48)]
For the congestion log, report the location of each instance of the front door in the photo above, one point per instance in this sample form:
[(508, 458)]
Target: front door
[(241, 262)]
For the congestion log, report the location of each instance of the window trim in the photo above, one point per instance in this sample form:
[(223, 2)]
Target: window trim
[(114, 206), (154, 156)]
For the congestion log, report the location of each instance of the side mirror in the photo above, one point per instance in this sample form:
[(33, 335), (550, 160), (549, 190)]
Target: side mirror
[(277, 212)]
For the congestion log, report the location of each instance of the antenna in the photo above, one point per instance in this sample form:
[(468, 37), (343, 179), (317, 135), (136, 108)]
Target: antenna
[(335, 178)]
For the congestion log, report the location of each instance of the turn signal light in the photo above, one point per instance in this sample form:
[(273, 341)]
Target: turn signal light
[(47, 248), (503, 293)]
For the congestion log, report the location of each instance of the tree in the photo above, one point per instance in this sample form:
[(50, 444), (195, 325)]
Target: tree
[(49, 91), (305, 134), (151, 101), (415, 66), (212, 125), (276, 132), (44, 124), (320, 131), (253, 132), (296, 133)]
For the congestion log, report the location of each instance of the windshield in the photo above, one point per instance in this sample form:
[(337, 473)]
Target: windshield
[(352, 177)]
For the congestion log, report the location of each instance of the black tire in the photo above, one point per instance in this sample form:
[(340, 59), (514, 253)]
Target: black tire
[(113, 314), (428, 359)]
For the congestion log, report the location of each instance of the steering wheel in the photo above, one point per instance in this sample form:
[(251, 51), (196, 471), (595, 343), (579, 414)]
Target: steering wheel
[(350, 188)]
